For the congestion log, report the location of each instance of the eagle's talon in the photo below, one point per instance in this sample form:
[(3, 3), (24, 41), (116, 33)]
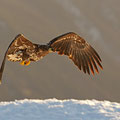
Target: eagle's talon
[(22, 63), (27, 63)]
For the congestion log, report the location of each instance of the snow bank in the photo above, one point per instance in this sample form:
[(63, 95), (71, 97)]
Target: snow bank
[(53, 109)]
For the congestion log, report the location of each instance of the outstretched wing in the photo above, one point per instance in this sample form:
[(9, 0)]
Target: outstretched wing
[(19, 46), (74, 46), (15, 50)]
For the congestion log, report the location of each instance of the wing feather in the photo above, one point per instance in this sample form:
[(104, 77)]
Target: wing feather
[(86, 63), (18, 47), (82, 53), (90, 64)]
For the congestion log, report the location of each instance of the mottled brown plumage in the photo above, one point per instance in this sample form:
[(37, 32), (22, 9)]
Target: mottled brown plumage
[(83, 55)]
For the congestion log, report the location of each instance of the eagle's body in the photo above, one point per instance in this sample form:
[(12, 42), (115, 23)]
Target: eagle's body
[(70, 44)]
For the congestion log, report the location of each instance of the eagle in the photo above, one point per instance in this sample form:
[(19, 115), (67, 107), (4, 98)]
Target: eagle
[(71, 44)]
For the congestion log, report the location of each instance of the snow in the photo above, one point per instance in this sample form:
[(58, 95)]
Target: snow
[(53, 109)]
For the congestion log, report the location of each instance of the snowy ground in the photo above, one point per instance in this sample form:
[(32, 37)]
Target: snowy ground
[(53, 109)]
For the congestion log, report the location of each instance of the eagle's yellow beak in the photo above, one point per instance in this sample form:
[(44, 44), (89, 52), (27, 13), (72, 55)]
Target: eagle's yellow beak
[(25, 63)]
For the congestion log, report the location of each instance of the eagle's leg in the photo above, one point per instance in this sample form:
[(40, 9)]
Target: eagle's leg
[(25, 62)]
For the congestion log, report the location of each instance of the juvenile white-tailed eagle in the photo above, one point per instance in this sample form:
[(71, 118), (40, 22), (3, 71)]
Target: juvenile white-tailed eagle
[(75, 47)]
